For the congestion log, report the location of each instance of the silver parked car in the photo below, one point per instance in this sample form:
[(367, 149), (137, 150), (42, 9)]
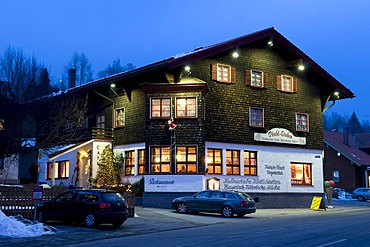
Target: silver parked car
[(361, 194)]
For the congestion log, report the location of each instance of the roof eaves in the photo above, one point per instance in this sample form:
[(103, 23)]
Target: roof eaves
[(77, 146), (345, 155), (230, 44)]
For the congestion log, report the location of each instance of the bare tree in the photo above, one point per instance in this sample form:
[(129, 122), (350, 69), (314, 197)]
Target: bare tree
[(60, 121), (81, 64), (22, 75)]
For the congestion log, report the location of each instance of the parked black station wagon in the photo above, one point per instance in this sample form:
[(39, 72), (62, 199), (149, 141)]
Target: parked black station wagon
[(224, 202), (90, 206)]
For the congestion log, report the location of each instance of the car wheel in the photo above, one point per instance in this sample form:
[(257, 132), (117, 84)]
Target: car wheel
[(41, 217), (90, 220), (118, 223), (361, 198), (241, 215), (182, 208), (227, 211)]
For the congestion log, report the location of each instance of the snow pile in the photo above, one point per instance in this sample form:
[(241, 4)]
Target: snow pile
[(17, 227)]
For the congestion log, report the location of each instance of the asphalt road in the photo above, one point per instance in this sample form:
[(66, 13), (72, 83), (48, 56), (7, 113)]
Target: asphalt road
[(267, 227)]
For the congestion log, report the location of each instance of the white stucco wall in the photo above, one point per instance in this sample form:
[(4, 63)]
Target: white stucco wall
[(273, 174)]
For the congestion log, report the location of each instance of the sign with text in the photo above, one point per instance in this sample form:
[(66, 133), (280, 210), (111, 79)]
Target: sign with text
[(280, 135), (173, 183), (37, 193)]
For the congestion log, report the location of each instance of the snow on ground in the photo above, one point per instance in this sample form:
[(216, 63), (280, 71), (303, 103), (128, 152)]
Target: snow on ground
[(17, 227)]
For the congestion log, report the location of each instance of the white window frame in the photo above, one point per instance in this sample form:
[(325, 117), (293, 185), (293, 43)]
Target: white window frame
[(220, 77), (186, 107), (161, 115), (253, 78), (284, 87)]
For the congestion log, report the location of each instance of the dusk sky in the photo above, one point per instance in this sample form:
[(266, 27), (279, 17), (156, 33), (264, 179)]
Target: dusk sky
[(334, 33)]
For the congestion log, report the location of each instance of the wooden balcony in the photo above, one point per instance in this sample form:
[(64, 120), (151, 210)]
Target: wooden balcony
[(94, 133)]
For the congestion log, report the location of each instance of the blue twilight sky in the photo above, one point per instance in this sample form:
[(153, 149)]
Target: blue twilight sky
[(334, 33)]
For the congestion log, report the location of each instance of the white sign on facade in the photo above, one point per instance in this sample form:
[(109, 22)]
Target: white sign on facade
[(173, 183), (280, 135)]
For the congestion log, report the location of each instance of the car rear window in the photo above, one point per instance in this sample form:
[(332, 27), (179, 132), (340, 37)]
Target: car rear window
[(112, 197), (245, 196)]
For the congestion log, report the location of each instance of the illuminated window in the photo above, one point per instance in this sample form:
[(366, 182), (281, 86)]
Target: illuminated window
[(160, 108), (287, 83), (100, 121), (141, 153), (160, 160), (61, 170), (256, 117), (302, 122), (300, 174), (129, 163), (119, 117), (256, 78), (232, 162), (186, 107), (250, 163), (223, 73), (186, 159), (214, 161)]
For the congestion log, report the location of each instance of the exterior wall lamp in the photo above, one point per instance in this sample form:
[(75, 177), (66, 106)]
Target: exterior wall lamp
[(112, 86), (270, 42), (187, 70), (235, 54)]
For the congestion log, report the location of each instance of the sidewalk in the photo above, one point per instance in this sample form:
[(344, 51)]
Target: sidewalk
[(149, 220)]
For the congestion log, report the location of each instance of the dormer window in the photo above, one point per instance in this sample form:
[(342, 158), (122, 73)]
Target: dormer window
[(287, 83), (256, 78), (223, 73)]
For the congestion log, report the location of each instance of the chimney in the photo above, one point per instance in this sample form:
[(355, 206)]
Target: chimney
[(345, 136), (71, 78)]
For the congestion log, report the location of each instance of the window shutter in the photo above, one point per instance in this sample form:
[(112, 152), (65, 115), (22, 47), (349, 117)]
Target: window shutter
[(266, 80), (278, 82), (214, 71), (233, 75), (248, 77), (295, 85)]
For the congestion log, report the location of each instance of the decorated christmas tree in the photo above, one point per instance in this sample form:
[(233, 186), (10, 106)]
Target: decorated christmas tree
[(109, 168)]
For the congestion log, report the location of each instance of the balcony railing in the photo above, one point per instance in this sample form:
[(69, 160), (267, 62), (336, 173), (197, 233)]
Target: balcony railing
[(94, 133)]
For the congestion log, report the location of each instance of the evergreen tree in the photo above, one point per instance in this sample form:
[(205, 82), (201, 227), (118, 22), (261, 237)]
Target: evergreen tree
[(110, 168), (115, 68), (354, 125), (44, 87)]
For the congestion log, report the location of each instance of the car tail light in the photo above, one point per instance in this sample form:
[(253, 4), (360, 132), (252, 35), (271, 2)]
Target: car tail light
[(103, 205), (243, 203)]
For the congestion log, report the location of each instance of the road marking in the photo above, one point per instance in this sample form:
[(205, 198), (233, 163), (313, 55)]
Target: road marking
[(331, 243)]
